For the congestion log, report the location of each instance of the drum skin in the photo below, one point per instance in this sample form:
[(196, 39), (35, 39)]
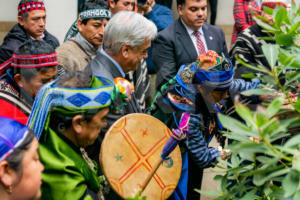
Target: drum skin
[(129, 150)]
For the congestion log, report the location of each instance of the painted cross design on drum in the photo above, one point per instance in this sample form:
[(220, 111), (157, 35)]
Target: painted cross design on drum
[(139, 153)]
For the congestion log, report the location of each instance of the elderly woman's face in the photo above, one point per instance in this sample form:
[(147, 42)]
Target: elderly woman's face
[(213, 96), (28, 182)]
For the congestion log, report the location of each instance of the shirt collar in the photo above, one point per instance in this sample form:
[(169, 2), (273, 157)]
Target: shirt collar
[(112, 60), (41, 38), (191, 31)]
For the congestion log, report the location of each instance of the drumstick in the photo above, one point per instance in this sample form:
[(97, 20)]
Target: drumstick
[(149, 177), (177, 135)]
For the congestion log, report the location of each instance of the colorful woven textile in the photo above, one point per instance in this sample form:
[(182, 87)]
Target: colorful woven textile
[(177, 135), (30, 6), (72, 100), (12, 134), (32, 61), (211, 71)]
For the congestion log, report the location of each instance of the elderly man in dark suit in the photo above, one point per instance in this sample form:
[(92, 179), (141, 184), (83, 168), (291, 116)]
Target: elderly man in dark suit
[(127, 37), (185, 39), (126, 40)]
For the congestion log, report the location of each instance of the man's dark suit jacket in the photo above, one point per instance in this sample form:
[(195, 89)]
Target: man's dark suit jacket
[(103, 66), (173, 47)]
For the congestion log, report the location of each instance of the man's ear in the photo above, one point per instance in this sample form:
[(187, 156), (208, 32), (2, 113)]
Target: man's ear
[(125, 50), (179, 9), (7, 174), (21, 20), (19, 80), (111, 4), (77, 123), (79, 24)]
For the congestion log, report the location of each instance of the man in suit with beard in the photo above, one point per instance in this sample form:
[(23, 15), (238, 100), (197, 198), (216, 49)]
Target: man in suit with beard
[(185, 39)]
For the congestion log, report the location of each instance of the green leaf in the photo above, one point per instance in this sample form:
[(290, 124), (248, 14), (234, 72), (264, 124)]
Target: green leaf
[(281, 16), (247, 156), (267, 160), (258, 179), (275, 106), (250, 195), (271, 53), (268, 10), (218, 177), (297, 195), (257, 92), (208, 192), (297, 105), (294, 141), (236, 137), (245, 114), (235, 160), (284, 39), (259, 21), (295, 64), (235, 126), (296, 164), (290, 183), (295, 26), (255, 68), (261, 119), (248, 76), (249, 147), (270, 127)]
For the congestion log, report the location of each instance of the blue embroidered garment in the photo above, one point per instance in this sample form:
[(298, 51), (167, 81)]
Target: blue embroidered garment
[(12, 134), (73, 99)]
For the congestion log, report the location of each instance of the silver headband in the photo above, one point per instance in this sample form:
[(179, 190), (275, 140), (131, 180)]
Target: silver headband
[(95, 13)]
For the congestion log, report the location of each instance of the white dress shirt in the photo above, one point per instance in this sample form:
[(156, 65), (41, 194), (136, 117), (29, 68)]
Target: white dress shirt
[(194, 38)]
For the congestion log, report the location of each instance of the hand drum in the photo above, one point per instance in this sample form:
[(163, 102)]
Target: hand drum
[(128, 152)]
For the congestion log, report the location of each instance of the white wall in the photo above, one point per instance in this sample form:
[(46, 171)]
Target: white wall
[(60, 14), (8, 10), (225, 12)]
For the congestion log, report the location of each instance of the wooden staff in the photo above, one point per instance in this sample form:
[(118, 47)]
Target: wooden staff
[(177, 135)]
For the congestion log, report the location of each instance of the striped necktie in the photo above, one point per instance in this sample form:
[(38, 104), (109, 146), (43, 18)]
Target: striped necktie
[(200, 45)]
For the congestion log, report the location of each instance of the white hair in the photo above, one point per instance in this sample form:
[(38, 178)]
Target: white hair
[(127, 27)]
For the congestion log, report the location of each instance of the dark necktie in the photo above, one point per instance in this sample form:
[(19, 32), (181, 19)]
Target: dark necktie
[(200, 45)]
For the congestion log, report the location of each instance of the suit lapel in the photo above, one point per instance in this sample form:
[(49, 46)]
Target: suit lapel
[(209, 39), (110, 66), (183, 37)]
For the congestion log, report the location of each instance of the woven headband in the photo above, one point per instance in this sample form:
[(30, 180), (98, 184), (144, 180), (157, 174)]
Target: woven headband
[(95, 13), (32, 61), (73, 99), (218, 77), (27, 7)]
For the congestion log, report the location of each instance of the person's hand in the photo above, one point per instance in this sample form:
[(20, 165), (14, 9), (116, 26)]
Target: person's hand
[(224, 153)]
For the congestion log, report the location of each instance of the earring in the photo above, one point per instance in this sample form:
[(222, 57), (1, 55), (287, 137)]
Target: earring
[(9, 189)]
